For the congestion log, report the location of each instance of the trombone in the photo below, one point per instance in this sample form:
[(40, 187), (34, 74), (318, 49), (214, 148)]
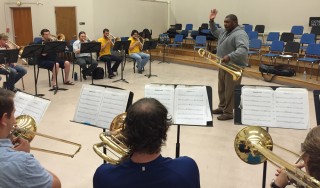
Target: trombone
[(113, 141), (26, 128), (254, 145), (231, 68), (20, 50)]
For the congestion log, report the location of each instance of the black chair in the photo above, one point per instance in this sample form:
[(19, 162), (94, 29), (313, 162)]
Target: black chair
[(260, 30), (204, 26), (315, 30), (178, 26), (49, 75), (287, 37), (291, 50), (126, 56)]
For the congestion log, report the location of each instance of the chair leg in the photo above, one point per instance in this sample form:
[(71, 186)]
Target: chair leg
[(105, 69), (318, 71), (49, 78), (22, 83), (134, 66), (62, 76), (72, 70), (311, 70), (80, 74), (297, 65)]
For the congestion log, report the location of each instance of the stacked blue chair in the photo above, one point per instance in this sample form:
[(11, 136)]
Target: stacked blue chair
[(307, 39), (254, 47), (272, 36), (194, 34), (312, 55), (248, 28), (253, 35), (275, 51), (178, 39), (201, 42), (189, 27), (297, 30)]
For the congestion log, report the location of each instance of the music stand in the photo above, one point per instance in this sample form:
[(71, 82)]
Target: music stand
[(55, 47), (89, 47), (150, 45), (164, 40), (9, 56), (33, 51), (123, 46)]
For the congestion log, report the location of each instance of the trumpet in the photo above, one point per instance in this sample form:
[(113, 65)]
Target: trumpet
[(254, 145), (233, 69), (26, 128), (113, 141), (5, 67), (20, 50), (111, 38)]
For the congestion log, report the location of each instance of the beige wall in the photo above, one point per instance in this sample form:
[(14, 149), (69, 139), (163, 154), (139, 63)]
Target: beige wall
[(120, 16), (276, 15)]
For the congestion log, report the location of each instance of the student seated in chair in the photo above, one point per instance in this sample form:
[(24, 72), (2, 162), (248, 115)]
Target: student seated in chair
[(135, 51), (146, 126), (105, 53), (15, 72), (48, 60)]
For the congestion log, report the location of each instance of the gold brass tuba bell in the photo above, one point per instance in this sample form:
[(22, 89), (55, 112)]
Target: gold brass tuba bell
[(26, 128), (113, 141), (254, 145), (233, 69)]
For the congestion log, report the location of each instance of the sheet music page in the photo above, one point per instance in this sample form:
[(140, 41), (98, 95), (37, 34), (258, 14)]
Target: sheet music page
[(30, 105), (291, 108), (257, 105), (189, 105), (114, 102), (163, 93), (89, 104)]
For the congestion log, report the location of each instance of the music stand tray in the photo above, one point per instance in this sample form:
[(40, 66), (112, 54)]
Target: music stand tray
[(122, 46), (90, 47), (33, 51), (55, 47)]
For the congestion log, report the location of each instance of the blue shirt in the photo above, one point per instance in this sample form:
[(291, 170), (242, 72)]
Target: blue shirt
[(21, 169), (162, 172)]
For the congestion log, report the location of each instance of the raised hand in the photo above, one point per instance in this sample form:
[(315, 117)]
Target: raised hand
[(213, 14)]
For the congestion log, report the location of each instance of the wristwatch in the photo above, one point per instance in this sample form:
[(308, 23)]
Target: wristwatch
[(273, 185)]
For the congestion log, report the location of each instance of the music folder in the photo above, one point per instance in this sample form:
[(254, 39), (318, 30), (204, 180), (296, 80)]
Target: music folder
[(186, 104), (98, 106), (280, 107)]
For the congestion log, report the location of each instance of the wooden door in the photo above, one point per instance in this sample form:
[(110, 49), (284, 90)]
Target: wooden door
[(66, 22), (22, 25)]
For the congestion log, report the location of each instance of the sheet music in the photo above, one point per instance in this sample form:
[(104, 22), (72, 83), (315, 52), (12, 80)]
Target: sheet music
[(291, 108), (26, 104), (98, 106), (283, 107), (163, 93), (257, 105), (189, 105)]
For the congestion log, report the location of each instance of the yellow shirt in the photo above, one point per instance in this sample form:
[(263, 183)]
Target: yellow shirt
[(135, 49), (107, 49)]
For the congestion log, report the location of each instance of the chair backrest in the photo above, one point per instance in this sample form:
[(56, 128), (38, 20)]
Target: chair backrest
[(178, 39), (201, 40), (313, 49), (315, 30), (124, 38), (204, 26), (178, 26), (297, 29), (273, 36), (286, 37), (308, 39), (248, 28), (253, 35), (259, 28), (184, 33), (255, 44), (37, 40), (292, 47), (189, 27), (277, 46), (194, 34)]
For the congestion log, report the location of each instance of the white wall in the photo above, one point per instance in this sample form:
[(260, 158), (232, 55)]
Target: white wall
[(120, 16), (276, 15)]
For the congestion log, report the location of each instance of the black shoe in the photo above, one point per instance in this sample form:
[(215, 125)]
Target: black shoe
[(84, 75), (217, 111), (224, 117), (111, 76), (140, 71)]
